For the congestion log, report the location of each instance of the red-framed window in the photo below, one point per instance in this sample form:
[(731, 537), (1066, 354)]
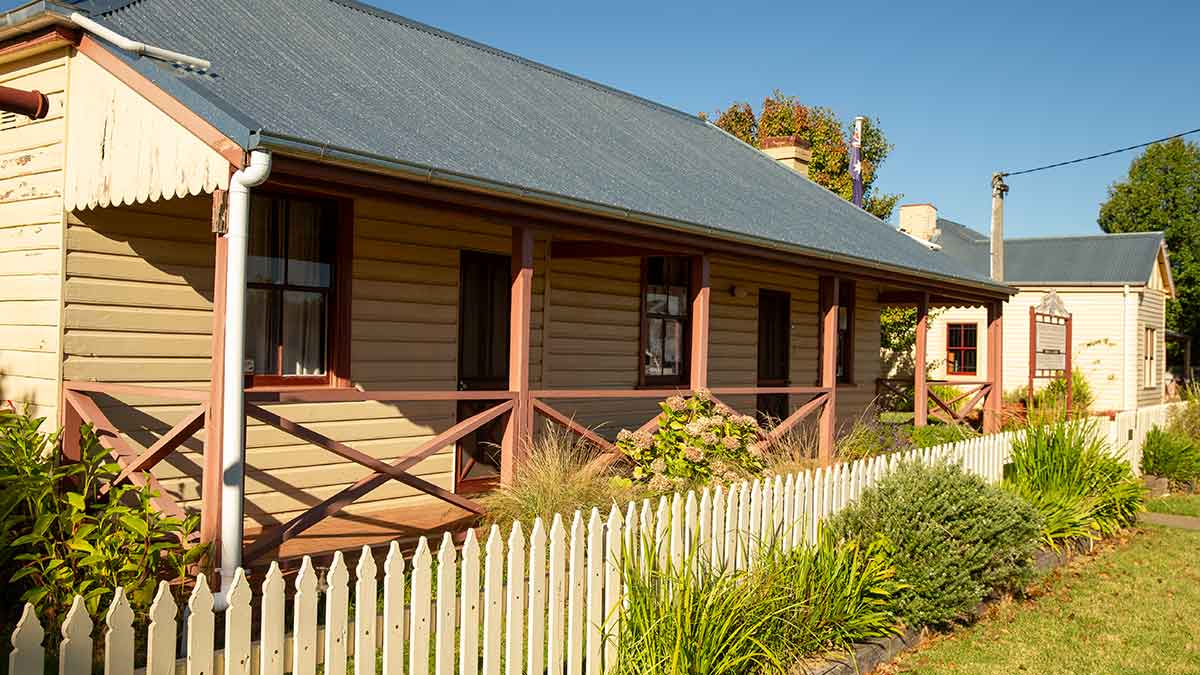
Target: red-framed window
[(666, 294), (962, 349), (297, 296)]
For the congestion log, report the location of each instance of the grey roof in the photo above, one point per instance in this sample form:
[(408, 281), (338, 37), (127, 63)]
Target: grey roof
[(350, 81), (1100, 259)]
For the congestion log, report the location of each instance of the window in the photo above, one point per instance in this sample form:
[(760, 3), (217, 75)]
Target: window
[(1150, 357), (962, 349), (665, 298), (291, 277), (845, 340)]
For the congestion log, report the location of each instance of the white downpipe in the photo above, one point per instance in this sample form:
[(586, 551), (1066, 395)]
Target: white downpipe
[(233, 421), (139, 48), (1125, 340)]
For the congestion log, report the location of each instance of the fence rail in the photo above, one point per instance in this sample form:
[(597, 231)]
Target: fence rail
[(538, 600)]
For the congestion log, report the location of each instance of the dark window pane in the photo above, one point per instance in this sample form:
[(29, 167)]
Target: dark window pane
[(307, 264), (656, 300), (969, 336), (654, 272), (968, 361), (954, 337), (303, 333), (262, 330), (677, 301), (265, 262)]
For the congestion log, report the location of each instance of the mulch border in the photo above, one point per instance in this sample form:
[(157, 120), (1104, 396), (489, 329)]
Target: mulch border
[(866, 657)]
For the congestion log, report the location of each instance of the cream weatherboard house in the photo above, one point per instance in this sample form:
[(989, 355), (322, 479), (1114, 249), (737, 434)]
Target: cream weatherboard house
[(1115, 287), (317, 268)]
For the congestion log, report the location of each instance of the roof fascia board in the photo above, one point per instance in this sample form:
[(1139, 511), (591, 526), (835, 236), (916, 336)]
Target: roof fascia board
[(1164, 258), (30, 17), (178, 110), (339, 156)]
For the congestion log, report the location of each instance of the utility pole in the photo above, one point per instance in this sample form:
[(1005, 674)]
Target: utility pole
[(999, 189)]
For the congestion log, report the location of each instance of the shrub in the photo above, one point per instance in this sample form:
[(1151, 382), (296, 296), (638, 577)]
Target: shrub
[(1185, 419), (1171, 455), (697, 438), (63, 535), (1068, 473), (557, 475), (956, 538), (937, 434), (695, 618)]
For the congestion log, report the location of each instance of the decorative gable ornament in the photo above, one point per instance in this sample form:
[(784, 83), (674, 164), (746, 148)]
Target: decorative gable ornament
[(1052, 304)]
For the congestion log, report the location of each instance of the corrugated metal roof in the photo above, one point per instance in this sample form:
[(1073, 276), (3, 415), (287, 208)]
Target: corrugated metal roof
[(349, 76), (1101, 259)]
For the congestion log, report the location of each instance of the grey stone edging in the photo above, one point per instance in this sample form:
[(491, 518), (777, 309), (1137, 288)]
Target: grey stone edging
[(868, 656)]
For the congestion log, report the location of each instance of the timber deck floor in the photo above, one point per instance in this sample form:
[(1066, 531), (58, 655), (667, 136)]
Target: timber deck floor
[(349, 532)]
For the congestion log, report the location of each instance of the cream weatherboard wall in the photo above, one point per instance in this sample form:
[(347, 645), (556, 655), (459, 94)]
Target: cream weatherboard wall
[(1106, 340), (31, 233), (1151, 314)]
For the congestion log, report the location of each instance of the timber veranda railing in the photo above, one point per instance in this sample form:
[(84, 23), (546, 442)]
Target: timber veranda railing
[(820, 397), (972, 395), (79, 406)]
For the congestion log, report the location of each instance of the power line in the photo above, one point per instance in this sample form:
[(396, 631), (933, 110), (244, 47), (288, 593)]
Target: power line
[(1103, 154)]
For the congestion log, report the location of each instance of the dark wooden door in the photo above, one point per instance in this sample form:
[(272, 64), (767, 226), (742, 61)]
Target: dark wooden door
[(483, 332), (774, 352)]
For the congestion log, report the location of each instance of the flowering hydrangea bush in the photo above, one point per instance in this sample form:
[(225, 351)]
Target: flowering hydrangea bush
[(697, 438)]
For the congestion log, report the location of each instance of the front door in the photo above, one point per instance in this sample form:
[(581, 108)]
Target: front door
[(774, 347), (483, 330)]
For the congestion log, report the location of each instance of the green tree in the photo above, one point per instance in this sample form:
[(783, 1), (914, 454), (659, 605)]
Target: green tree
[(1162, 193), (783, 115)]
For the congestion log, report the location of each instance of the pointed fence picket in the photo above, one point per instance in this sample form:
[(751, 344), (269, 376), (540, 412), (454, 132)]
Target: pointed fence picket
[(546, 603)]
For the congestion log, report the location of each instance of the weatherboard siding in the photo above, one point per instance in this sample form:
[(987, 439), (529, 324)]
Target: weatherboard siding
[(31, 232), (1151, 314)]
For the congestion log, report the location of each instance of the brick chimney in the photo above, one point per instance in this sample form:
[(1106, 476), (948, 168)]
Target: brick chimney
[(919, 220), (792, 151)]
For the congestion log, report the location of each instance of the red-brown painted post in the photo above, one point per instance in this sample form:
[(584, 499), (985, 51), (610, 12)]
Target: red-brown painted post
[(920, 359), (994, 406), (829, 328), (210, 478), (701, 295), (518, 426), (72, 442)]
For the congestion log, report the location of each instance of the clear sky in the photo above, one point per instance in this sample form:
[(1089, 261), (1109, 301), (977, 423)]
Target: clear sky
[(962, 89)]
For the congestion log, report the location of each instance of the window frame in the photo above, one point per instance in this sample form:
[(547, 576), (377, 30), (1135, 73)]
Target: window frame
[(338, 297), (961, 326), (1150, 358), (685, 357)]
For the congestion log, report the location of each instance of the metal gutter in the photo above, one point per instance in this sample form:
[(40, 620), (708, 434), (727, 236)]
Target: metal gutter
[(288, 144)]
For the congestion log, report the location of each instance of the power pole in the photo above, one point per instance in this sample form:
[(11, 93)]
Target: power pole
[(999, 189)]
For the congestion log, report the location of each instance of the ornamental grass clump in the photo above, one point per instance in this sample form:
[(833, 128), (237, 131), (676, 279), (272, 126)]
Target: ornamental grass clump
[(697, 439), (1067, 471), (693, 617), (557, 474), (1172, 455), (957, 540)]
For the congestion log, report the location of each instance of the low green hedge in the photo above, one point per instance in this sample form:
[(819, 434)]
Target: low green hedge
[(956, 538)]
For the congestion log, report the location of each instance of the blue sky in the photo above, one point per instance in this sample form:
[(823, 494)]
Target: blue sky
[(962, 89)]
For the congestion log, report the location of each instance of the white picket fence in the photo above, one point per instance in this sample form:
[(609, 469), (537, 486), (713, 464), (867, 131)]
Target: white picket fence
[(1127, 430), (542, 601)]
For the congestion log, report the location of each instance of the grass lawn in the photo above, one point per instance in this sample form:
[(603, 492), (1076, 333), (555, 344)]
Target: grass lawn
[(1180, 505), (1131, 608)]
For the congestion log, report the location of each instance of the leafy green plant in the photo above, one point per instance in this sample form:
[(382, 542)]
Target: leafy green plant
[(936, 434), (694, 617), (557, 475), (66, 535), (956, 538), (1185, 419), (1068, 473), (1171, 455), (697, 439)]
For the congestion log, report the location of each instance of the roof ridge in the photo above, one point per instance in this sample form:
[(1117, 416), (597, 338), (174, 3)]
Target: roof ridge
[(1105, 235), (385, 15)]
